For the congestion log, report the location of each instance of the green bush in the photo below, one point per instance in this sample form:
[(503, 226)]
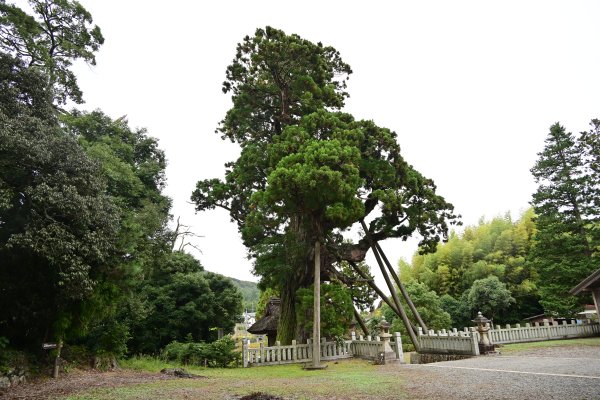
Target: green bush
[(109, 337), (220, 353), (3, 354)]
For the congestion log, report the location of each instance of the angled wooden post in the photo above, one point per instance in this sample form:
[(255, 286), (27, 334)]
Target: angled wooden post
[(360, 321), (402, 288), (399, 307)]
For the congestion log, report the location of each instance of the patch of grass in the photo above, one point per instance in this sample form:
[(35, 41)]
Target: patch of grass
[(516, 347), (356, 379), (147, 363)]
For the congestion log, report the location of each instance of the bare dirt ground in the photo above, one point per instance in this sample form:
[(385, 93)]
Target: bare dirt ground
[(77, 381)]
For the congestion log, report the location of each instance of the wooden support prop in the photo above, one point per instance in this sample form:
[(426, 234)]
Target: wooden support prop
[(317, 308), (402, 289), (360, 322), (316, 345), (409, 327)]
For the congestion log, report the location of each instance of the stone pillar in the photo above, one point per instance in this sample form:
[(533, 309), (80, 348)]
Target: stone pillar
[(399, 351), (262, 351), (245, 351)]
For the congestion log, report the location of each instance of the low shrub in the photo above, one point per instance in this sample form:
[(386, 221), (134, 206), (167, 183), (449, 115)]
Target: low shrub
[(220, 353), (3, 354)]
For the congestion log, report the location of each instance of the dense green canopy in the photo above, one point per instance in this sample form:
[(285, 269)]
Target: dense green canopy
[(86, 253)]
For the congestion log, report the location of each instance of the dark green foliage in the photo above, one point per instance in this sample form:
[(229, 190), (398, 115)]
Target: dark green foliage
[(428, 304), (182, 300), (567, 206), (109, 336), (59, 32), (57, 224), (336, 310), (218, 354), (3, 354), (458, 309), (363, 296), (490, 296), (85, 248)]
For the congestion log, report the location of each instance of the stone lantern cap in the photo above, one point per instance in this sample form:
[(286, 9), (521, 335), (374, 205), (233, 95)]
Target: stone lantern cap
[(480, 319), (384, 326)]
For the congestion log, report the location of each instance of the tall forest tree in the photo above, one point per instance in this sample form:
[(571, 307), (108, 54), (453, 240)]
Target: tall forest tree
[(84, 238), (307, 171), (567, 243), (57, 223), (57, 34)]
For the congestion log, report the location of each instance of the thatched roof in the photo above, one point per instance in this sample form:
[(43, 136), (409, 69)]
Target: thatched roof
[(268, 323)]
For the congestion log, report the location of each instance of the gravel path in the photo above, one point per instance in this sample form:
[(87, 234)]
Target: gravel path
[(551, 373)]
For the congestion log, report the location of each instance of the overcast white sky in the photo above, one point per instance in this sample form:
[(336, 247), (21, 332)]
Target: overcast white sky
[(471, 88)]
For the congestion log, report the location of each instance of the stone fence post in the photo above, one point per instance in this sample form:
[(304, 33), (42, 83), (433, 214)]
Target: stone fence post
[(399, 352), (245, 352)]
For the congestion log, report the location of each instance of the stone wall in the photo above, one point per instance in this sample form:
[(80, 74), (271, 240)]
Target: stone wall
[(449, 342), (422, 358), (12, 377)]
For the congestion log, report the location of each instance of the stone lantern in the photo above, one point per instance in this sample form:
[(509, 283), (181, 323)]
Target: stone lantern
[(483, 327), (384, 335)]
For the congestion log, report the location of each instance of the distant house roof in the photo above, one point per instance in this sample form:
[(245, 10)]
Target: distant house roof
[(539, 316), (590, 283), (268, 323)]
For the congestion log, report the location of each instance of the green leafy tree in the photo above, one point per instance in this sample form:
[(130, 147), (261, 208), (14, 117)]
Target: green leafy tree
[(306, 172), (184, 301), (490, 296), (429, 306), (566, 204), (59, 33), (457, 308), (336, 310), (57, 225), (133, 167)]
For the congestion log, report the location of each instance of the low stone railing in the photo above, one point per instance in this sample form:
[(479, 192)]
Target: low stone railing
[(546, 331), (449, 342), (332, 350), (465, 342), (372, 349)]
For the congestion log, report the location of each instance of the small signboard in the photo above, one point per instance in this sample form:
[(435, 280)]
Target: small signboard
[(49, 346)]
